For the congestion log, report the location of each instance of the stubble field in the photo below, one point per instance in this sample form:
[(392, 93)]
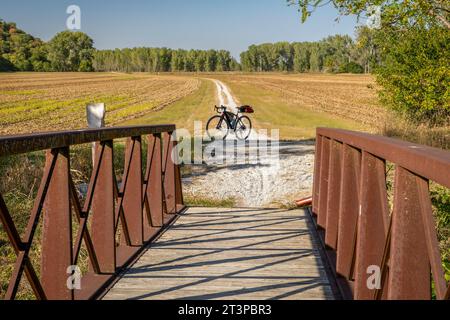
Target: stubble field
[(34, 102), (295, 104)]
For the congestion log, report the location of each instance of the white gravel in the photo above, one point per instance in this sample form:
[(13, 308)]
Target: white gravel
[(271, 182)]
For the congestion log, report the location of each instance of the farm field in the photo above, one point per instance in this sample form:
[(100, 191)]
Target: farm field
[(197, 106), (297, 104), (34, 102)]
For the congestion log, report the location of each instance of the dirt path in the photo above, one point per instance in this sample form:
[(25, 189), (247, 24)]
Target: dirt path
[(250, 173)]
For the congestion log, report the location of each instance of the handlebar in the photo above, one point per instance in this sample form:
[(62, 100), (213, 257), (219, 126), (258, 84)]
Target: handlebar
[(220, 109)]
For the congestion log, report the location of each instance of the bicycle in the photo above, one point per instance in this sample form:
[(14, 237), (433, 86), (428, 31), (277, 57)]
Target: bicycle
[(219, 126)]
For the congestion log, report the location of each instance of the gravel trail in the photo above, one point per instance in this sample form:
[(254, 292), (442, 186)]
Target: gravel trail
[(250, 173)]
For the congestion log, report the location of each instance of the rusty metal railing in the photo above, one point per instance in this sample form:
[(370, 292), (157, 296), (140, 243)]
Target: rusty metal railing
[(142, 206), (351, 208)]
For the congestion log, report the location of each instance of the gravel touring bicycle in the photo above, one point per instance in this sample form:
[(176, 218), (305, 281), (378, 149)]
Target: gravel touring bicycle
[(220, 126)]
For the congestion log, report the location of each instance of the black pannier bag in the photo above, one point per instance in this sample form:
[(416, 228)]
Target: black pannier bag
[(246, 109)]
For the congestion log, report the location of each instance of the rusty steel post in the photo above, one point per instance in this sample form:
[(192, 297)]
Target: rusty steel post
[(169, 174), (103, 208), (179, 201), (409, 267), (57, 255), (429, 224), (348, 210), (178, 189), (132, 197), (334, 195), (373, 223), (316, 181), (154, 184), (323, 184)]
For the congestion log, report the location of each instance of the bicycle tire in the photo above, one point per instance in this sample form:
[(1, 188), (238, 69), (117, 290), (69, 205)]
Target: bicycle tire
[(248, 127), (220, 120)]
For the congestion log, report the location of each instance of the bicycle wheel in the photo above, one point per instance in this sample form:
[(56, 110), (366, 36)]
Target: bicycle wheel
[(217, 128), (243, 128)]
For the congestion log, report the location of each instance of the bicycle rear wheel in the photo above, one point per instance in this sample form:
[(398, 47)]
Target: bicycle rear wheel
[(217, 128), (243, 128)]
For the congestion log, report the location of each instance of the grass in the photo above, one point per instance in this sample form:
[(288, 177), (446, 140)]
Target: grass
[(209, 202), (21, 176), (297, 104), (197, 106), (294, 121), (397, 126)]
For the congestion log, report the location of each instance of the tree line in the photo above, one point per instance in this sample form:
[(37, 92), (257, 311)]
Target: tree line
[(74, 51), (164, 60), (336, 54)]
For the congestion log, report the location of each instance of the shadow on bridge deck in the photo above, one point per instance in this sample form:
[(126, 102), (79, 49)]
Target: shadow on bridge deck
[(212, 253)]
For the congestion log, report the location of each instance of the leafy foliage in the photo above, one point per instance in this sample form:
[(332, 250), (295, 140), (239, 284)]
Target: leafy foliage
[(71, 51), (337, 54), (20, 51), (413, 44), (74, 51), (163, 60), (395, 12), (5, 65), (415, 73)]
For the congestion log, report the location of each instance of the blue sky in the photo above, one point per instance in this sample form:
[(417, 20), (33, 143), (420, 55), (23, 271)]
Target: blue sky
[(198, 24)]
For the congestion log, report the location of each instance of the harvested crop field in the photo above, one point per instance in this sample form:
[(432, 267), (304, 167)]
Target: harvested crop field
[(34, 102), (297, 104)]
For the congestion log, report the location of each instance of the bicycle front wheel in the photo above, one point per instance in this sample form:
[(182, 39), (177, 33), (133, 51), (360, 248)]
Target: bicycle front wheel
[(217, 128), (243, 128)]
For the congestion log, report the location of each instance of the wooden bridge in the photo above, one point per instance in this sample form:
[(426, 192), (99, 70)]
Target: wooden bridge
[(143, 243)]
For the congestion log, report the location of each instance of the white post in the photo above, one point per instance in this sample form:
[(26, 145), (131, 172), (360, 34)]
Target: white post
[(95, 113)]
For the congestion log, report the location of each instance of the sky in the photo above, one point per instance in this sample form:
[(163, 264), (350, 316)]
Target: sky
[(188, 24)]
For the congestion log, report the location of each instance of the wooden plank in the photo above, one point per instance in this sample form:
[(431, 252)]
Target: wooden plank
[(212, 253)]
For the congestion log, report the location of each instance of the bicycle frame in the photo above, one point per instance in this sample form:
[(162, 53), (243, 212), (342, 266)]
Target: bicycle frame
[(233, 120), (227, 118)]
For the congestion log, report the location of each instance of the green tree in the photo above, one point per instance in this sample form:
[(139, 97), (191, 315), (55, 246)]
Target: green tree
[(39, 60), (302, 55), (415, 73), (211, 60), (224, 60), (71, 51), (366, 51), (200, 61), (19, 49), (413, 51), (6, 65)]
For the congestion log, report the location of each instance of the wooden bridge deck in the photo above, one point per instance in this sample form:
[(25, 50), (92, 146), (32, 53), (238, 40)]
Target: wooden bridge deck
[(230, 254)]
